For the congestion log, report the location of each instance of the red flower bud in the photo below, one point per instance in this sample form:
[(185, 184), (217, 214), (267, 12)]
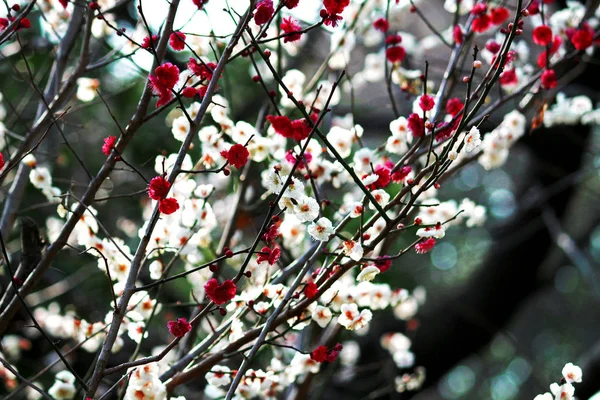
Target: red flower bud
[(179, 328)]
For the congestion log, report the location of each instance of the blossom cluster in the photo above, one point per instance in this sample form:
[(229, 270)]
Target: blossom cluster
[(279, 223), (564, 390)]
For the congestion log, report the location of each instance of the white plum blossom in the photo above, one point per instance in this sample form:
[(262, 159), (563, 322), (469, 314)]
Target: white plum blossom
[(407, 308), (295, 188), (472, 140), (203, 191), (437, 231), (181, 127), (40, 177), (381, 197), (63, 387), (242, 132), (495, 145), (369, 179), (219, 375), (341, 139), (375, 230), (11, 345), (294, 81), (272, 181), (363, 158), (29, 160), (164, 164), (368, 273), (410, 382), (464, 6), (145, 384), (90, 331), (494, 156), (572, 373), (326, 87), (373, 70), (396, 144), (208, 134), (307, 209), (86, 89), (136, 331), (321, 229), (259, 148), (399, 347), (322, 316), (404, 359), (350, 353), (515, 122), (474, 214), (565, 391), (399, 127), (569, 17), (292, 230), (356, 209), (352, 319), (352, 249), (302, 363), (373, 296), (394, 342), (568, 111), (143, 305)]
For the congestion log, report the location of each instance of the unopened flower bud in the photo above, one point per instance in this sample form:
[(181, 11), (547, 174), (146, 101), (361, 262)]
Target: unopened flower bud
[(29, 160)]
